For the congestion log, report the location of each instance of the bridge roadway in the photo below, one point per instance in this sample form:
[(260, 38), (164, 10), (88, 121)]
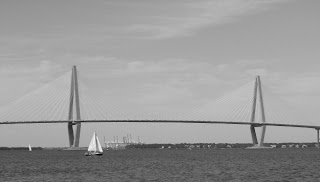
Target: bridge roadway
[(165, 121)]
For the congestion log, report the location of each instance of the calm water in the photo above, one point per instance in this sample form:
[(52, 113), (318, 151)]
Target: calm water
[(162, 165)]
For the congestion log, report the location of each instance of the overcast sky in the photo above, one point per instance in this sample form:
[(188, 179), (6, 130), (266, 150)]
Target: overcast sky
[(176, 54)]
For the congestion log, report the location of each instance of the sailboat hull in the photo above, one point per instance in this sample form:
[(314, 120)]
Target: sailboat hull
[(93, 154)]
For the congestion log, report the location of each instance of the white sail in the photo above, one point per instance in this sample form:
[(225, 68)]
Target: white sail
[(93, 145), (30, 149), (99, 148)]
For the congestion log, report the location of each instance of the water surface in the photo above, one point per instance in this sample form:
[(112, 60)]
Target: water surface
[(162, 165)]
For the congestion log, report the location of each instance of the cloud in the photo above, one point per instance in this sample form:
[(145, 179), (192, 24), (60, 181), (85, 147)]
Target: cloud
[(43, 69), (177, 72), (21, 77), (189, 16), (299, 84), (255, 72)]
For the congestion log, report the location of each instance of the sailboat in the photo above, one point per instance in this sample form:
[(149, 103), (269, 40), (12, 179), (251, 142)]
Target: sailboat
[(30, 149), (94, 146)]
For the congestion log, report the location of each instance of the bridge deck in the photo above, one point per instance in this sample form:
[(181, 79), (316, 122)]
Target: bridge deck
[(165, 121)]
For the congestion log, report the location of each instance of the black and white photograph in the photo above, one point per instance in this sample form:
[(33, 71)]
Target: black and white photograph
[(159, 90)]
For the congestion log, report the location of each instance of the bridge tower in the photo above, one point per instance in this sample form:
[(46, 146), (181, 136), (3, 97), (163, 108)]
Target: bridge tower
[(257, 94), (74, 99)]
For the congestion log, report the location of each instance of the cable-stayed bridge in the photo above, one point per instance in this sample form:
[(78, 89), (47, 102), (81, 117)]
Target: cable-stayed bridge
[(73, 101)]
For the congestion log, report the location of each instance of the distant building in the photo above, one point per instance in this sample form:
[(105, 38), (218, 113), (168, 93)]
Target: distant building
[(115, 146)]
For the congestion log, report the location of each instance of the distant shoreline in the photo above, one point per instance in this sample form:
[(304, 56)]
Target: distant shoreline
[(180, 146), (20, 148)]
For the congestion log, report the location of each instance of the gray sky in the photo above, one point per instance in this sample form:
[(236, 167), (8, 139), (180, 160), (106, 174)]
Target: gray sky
[(168, 55)]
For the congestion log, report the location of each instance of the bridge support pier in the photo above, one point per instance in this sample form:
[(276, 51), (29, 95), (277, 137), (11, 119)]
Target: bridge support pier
[(255, 141), (70, 133), (253, 135), (257, 91), (77, 139), (263, 132), (74, 140), (318, 142)]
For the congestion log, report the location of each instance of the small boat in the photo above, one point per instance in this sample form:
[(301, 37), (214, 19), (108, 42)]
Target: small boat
[(30, 149), (94, 146)]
